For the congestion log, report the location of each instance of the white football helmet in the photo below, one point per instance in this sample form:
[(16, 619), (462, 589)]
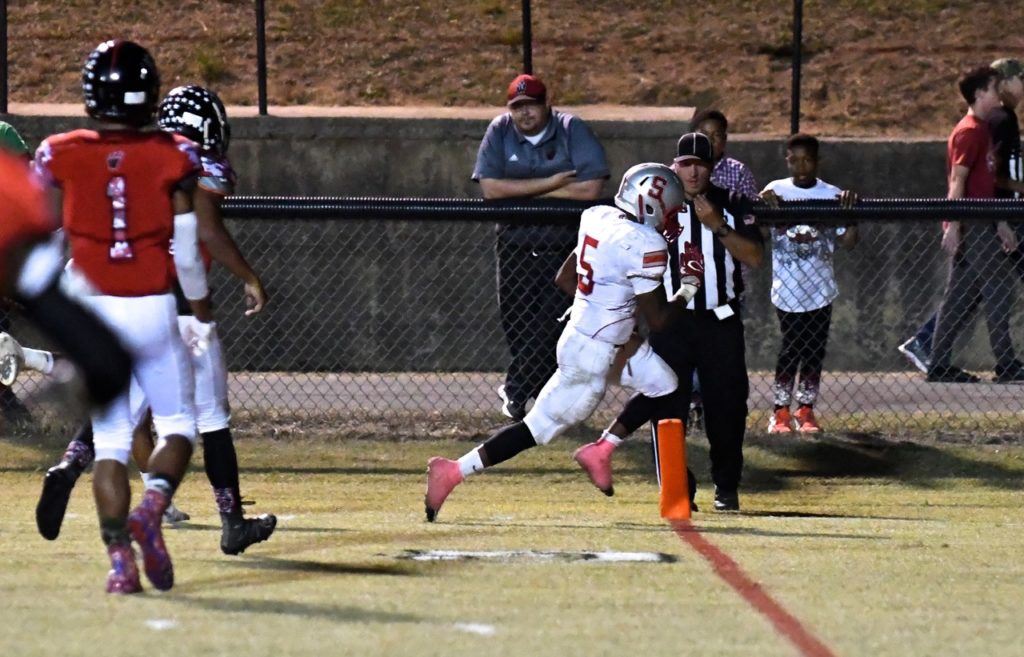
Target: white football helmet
[(651, 193)]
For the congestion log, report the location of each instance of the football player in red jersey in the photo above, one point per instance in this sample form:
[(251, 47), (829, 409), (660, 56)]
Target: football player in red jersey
[(31, 259), (126, 192), (197, 114)]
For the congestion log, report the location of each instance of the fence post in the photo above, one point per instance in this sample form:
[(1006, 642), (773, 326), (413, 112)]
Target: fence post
[(261, 55), (798, 35), (527, 39), (3, 56)]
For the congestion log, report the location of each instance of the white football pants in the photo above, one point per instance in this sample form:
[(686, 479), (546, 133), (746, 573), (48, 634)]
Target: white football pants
[(579, 384), (148, 329), (210, 376)]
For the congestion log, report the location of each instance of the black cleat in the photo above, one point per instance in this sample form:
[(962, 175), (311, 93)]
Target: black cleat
[(727, 501), (238, 534), (431, 513), (691, 483), (53, 502)]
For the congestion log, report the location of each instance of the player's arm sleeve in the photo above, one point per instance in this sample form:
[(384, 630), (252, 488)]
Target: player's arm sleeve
[(588, 158), (489, 157), (187, 260)]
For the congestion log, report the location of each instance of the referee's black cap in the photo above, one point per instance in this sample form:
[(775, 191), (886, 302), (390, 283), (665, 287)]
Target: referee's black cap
[(694, 146)]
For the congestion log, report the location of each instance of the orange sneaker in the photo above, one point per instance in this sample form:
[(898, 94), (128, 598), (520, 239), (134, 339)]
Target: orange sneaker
[(781, 421), (805, 420), (443, 475)]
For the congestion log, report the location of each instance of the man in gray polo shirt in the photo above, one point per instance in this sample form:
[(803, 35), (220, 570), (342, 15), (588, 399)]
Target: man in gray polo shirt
[(534, 151)]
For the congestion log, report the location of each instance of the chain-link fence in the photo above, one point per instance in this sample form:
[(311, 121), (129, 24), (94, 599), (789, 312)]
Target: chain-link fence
[(382, 327)]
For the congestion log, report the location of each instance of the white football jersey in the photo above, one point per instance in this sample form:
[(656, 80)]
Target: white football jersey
[(616, 260)]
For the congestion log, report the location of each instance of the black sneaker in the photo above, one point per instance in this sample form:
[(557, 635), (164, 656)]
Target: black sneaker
[(950, 374), (239, 533), (511, 408), (727, 500), (1013, 373), (916, 353), (691, 482), (53, 502)]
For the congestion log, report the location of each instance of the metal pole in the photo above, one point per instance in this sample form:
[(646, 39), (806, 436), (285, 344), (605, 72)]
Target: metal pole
[(527, 39), (798, 35), (3, 56), (261, 55)]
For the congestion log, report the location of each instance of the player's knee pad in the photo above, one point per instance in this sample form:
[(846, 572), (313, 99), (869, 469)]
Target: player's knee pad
[(647, 373), (562, 403), (181, 424), (112, 430), (118, 454), (112, 441), (212, 417)]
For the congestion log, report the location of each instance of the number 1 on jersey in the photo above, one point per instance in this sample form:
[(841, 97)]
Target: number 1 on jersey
[(120, 249), (585, 282)]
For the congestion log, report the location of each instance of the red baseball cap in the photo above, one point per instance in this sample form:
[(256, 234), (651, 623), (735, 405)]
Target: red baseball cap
[(527, 87)]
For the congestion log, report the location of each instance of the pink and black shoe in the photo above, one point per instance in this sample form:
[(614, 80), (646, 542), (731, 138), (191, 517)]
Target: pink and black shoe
[(596, 461), (144, 526), (443, 475), (123, 578)]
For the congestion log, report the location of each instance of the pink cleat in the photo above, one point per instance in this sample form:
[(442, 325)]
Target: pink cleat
[(144, 525), (596, 460), (123, 577), (443, 475)]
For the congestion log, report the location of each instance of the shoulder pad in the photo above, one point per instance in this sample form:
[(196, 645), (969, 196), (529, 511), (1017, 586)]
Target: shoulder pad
[(217, 177)]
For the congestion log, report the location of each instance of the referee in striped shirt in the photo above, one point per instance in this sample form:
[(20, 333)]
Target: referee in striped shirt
[(708, 337)]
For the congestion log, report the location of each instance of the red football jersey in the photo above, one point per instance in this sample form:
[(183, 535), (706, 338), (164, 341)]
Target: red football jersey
[(25, 217), (118, 215)]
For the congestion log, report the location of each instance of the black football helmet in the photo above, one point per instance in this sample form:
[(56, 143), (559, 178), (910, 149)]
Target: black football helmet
[(121, 84), (196, 113)]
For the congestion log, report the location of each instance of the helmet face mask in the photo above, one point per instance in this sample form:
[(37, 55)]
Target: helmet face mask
[(198, 114), (121, 84), (651, 194)]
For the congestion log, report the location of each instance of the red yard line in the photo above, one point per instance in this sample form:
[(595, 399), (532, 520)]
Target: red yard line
[(785, 623)]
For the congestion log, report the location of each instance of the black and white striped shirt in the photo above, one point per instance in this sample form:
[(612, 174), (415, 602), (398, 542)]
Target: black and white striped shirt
[(723, 275)]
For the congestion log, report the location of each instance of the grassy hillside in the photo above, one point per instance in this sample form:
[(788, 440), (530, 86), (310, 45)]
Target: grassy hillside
[(873, 67)]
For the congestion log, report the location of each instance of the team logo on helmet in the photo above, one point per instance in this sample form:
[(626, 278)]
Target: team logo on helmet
[(652, 195)]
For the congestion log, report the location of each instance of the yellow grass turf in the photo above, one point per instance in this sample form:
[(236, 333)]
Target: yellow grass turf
[(883, 549)]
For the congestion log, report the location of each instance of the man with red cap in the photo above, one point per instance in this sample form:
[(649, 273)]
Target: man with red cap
[(528, 152)]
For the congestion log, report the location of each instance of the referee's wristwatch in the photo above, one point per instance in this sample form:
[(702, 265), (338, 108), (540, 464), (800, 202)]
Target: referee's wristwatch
[(722, 230)]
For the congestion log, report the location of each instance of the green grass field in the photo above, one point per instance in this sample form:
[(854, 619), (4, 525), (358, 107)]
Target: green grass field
[(877, 549)]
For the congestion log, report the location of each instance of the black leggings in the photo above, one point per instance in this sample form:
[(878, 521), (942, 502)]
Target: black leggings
[(804, 337)]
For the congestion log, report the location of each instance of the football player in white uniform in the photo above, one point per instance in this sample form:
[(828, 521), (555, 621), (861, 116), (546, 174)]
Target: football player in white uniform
[(615, 273)]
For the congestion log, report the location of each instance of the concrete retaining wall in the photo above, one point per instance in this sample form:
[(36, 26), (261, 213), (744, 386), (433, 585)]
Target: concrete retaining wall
[(336, 286)]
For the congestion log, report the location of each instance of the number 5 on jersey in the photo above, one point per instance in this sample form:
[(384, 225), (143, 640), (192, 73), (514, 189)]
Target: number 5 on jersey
[(584, 271)]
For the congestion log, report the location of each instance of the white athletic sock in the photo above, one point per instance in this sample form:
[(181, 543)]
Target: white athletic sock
[(611, 438), (145, 479), (471, 463), (38, 360)]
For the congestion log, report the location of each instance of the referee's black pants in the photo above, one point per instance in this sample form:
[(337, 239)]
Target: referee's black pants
[(715, 349)]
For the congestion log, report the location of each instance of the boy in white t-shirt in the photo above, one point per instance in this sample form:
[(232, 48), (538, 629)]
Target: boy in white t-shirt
[(803, 285)]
